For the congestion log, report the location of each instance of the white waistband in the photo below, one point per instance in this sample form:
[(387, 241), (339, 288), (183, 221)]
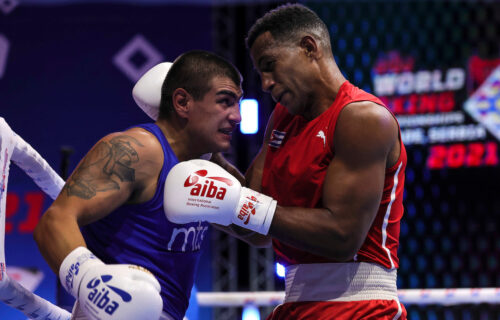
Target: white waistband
[(339, 282)]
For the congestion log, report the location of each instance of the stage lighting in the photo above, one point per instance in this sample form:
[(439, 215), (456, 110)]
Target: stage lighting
[(249, 109)]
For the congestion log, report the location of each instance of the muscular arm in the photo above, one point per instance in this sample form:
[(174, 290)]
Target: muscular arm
[(108, 176), (365, 136)]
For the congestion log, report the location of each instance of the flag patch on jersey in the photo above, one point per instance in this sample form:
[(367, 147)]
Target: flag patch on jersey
[(276, 138)]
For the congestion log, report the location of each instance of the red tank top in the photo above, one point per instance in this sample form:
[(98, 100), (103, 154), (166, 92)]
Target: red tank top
[(298, 155)]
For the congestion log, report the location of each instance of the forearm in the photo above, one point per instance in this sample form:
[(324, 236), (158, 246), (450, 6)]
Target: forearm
[(56, 236), (316, 231), (248, 236)]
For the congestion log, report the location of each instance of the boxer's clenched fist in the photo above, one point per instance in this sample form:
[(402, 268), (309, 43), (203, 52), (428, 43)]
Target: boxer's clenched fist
[(119, 291), (201, 190)]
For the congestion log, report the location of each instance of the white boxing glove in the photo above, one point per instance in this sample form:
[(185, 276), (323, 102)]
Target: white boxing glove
[(105, 292), (147, 90), (201, 190)]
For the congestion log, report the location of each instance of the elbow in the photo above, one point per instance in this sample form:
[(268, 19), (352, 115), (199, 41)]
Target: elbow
[(343, 248), (41, 228), (45, 227), (341, 255), (350, 250), (346, 256)]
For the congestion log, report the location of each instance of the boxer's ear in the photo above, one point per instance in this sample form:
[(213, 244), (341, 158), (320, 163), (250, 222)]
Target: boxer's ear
[(181, 101)]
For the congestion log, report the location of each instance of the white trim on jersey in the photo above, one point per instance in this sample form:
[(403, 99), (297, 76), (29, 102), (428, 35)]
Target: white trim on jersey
[(400, 311), (388, 213)]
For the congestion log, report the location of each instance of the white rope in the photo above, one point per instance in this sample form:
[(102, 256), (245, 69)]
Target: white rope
[(406, 296), (30, 161), (13, 147), (15, 295), (449, 296)]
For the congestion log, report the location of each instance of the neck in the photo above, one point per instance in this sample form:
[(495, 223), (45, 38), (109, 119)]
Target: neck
[(178, 138), (326, 88)]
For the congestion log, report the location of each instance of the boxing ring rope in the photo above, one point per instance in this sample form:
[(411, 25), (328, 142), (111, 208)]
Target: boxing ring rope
[(33, 306), (452, 296), (14, 148)]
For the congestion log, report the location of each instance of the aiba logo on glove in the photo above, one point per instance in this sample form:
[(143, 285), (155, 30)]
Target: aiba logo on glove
[(248, 209), (70, 276), (99, 296), (207, 188)]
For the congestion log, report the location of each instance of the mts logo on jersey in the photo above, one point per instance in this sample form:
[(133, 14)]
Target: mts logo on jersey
[(248, 209), (206, 188), (99, 294)]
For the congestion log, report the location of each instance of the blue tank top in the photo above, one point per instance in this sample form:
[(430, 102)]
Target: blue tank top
[(141, 234)]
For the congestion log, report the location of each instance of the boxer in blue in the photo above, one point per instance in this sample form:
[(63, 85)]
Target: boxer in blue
[(106, 234)]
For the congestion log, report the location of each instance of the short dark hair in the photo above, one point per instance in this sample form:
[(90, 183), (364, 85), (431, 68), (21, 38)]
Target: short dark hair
[(289, 23), (193, 71)]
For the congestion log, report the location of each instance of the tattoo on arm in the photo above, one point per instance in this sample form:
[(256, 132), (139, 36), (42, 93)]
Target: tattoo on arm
[(100, 170)]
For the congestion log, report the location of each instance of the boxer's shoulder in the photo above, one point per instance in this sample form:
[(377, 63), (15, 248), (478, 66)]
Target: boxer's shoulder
[(145, 137), (141, 151), (135, 151), (137, 143)]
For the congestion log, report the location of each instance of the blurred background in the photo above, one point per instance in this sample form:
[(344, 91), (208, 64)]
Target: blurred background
[(67, 68)]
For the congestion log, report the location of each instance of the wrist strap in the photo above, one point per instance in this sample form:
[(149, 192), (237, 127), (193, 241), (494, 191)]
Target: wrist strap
[(269, 218), (74, 267), (255, 211)]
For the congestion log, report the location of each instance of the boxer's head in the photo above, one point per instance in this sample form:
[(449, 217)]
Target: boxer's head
[(290, 48), (203, 91), (288, 24), (194, 71)]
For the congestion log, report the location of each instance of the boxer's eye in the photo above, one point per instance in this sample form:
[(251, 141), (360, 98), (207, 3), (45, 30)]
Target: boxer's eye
[(227, 102), (268, 66)]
